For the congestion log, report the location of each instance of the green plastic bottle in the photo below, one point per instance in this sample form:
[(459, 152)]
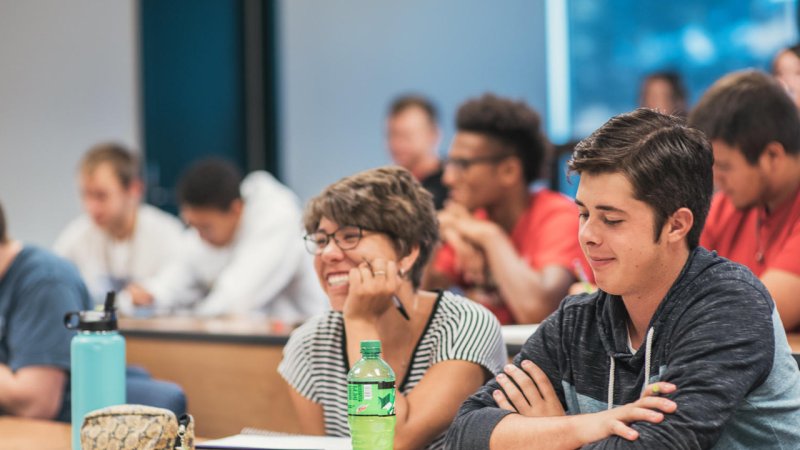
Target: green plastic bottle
[(370, 400)]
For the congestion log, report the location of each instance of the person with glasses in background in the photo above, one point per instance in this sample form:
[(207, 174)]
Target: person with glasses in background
[(511, 249), (371, 234)]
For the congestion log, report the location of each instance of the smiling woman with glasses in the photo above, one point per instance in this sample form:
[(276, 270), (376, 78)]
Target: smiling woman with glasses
[(371, 235)]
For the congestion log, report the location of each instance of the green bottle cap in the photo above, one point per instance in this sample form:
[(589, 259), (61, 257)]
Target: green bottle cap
[(370, 347)]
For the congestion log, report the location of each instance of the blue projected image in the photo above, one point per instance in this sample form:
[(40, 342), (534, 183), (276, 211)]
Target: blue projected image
[(614, 44)]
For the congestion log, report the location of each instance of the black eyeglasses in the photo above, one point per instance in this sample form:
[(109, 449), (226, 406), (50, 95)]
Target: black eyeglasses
[(463, 164), (346, 238)]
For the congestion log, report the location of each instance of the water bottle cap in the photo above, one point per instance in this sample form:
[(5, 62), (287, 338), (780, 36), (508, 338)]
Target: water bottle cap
[(105, 320), (91, 321), (372, 347)]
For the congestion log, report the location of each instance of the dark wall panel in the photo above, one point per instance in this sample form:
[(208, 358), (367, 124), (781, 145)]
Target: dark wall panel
[(192, 88)]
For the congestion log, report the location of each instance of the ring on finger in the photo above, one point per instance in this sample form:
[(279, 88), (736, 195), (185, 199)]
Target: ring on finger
[(379, 273)]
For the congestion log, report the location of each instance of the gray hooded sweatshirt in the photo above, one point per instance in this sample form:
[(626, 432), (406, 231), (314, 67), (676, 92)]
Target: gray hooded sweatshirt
[(716, 335)]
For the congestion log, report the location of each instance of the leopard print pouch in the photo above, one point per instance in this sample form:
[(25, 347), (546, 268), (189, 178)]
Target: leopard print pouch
[(136, 427)]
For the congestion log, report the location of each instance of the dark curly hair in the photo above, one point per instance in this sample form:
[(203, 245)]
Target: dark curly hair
[(513, 124), (387, 199)]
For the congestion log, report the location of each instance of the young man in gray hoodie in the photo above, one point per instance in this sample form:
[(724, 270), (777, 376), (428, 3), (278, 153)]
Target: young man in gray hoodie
[(670, 319)]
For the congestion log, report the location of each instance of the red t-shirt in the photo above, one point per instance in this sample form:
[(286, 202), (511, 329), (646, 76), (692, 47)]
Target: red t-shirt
[(753, 238), (546, 234)]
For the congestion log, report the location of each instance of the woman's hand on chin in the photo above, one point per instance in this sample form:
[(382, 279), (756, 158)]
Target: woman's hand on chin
[(372, 285)]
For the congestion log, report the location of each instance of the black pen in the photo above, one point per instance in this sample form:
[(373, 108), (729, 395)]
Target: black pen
[(397, 303), (400, 307)]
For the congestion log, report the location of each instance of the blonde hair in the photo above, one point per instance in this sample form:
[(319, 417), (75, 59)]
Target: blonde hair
[(124, 162)]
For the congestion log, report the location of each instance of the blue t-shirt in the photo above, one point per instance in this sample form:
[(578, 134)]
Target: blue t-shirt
[(36, 291)]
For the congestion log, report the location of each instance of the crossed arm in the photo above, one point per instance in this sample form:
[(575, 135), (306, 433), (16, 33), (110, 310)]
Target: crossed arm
[(540, 421), (483, 248)]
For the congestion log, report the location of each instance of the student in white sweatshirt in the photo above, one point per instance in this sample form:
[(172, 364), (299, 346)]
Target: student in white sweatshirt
[(118, 240), (243, 254)]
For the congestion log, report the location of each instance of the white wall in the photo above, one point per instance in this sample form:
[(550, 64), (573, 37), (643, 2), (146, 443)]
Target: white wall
[(343, 61), (67, 80)]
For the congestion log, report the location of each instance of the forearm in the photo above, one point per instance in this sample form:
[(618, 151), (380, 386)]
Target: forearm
[(173, 287), (19, 396), (497, 429), (523, 289), (530, 433)]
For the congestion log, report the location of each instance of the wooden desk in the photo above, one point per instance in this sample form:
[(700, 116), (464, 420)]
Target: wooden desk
[(228, 368), (26, 434)]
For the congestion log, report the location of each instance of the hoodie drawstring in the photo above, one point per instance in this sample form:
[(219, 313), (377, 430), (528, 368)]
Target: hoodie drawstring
[(648, 348), (611, 383)]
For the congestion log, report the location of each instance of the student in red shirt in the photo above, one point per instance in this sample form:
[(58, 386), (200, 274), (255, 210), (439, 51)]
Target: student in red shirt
[(754, 130), (510, 249)]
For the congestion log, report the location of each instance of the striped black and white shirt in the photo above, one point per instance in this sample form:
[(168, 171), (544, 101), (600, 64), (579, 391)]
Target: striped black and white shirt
[(315, 359)]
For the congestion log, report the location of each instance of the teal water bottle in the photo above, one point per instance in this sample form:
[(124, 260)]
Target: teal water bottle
[(370, 400), (97, 356)]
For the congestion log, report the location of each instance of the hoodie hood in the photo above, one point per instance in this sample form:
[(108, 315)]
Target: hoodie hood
[(612, 317)]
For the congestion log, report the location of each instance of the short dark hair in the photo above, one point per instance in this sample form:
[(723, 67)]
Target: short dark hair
[(123, 161), (748, 109), (679, 94), (408, 101), (210, 183), (387, 199), (668, 164), (512, 123), (3, 235)]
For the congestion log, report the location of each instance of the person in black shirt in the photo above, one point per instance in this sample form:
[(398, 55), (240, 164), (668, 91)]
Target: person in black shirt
[(412, 136)]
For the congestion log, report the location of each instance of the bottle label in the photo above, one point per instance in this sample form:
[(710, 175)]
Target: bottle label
[(370, 398)]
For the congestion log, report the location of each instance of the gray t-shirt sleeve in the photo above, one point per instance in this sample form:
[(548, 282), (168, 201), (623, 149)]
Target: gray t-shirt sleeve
[(36, 335)]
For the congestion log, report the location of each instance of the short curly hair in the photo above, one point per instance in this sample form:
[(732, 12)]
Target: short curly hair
[(513, 123), (386, 199)]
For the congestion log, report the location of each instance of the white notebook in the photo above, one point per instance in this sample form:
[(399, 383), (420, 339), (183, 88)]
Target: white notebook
[(253, 442), (517, 334)]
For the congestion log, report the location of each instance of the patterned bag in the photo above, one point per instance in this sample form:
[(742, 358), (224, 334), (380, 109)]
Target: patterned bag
[(136, 427)]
